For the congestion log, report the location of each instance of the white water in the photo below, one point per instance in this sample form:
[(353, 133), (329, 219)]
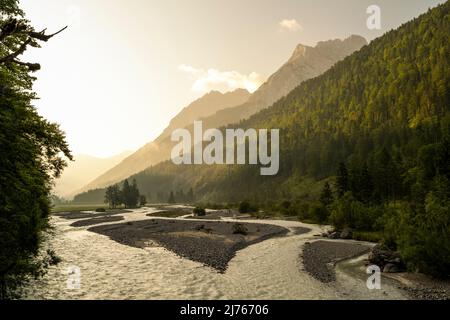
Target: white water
[(267, 270)]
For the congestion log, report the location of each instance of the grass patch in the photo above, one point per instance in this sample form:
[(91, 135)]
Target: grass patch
[(370, 236), (77, 207)]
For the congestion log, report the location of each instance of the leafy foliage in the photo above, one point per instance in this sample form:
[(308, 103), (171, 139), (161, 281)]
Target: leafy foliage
[(30, 160), (198, 211)]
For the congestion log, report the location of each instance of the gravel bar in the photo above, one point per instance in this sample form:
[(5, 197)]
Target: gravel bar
[(209, 242), (319, 257)]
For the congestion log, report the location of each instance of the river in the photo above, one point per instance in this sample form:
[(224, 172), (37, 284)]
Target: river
[(271, 269)]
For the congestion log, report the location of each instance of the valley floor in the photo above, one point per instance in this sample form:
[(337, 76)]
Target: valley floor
[(269, 269)]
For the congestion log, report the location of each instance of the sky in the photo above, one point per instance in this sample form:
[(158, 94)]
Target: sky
[(124, 68)]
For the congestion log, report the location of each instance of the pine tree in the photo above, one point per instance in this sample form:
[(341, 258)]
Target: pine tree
[(190, 196), (116, 196), (171, 198), (326, 198), (134, 194), (342, 180), (142, 200), (126, 192), (109, 196), (366, 185)]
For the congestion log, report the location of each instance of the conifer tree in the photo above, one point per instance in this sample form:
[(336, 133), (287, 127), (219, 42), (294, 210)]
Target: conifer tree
[(342, 180), (326, 197)]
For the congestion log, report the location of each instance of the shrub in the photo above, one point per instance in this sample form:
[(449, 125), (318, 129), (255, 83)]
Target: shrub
[(347, 212), (200, 212), (370, 236), (319, 213), (287, 208), (421, 234), (100, 210), (303, 211), (239, 228), (244, 207)]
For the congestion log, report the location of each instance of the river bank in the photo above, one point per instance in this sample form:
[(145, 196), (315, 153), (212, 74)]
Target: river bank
[(269, 269)]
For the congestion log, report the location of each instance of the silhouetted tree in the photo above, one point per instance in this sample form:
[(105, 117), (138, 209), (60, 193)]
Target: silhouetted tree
[(190, 196), (142, 200), (113, 196), (171, 198)]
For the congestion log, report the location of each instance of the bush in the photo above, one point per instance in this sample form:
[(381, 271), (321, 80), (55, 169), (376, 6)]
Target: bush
[(287, 208), (421, 235), (100, 210), (239, 228), (200, 212), (244, 207), (347, 212), (303, 211), (319, 213), (370, 236)]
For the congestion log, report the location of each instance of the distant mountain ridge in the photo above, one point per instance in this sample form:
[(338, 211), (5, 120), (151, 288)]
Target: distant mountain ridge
[(218, 110), (205, 106), (84, 169), (159, 150)]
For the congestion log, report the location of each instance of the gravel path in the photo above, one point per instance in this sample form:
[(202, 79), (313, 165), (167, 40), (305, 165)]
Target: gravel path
[(318, 256)]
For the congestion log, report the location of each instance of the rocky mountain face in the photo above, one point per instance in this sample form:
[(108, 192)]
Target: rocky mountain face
[(305, 63)]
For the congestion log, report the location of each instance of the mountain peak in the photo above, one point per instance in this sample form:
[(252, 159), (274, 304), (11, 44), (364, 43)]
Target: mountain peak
[(238, 91), (353, 40), (300, 51), (338, 47), (331, 47)]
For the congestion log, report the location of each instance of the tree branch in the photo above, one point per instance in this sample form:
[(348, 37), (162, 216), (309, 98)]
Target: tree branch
[(44, 37), (17, 27), (31, 66), (11, 57)]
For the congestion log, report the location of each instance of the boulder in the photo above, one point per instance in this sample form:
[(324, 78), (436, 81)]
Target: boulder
[(346, 233), (392, 268), (334, 235), (388, 260)]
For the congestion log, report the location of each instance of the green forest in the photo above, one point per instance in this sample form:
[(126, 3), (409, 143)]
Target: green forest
[(364, 146)]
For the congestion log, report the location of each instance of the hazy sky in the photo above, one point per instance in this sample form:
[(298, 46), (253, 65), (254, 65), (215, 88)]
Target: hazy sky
[(124, 68)]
